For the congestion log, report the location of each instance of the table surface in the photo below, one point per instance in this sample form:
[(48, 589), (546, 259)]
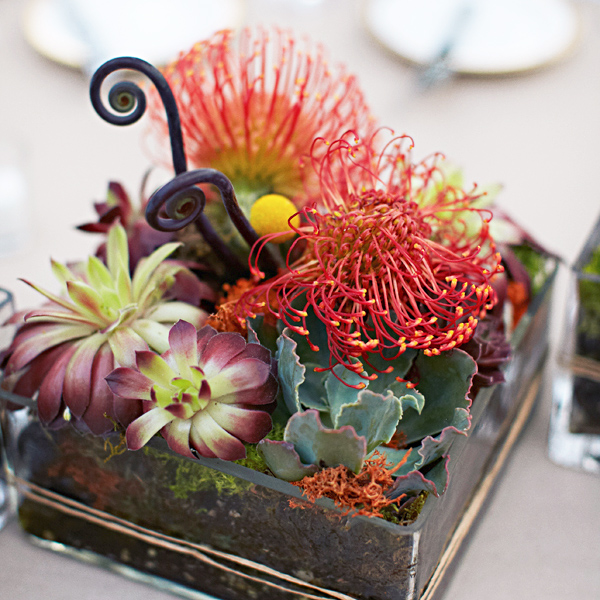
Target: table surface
[(537, 133)]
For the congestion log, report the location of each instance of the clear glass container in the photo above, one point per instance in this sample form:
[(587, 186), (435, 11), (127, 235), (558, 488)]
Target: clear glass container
[(574, 439), (6, 309), (198, 527)]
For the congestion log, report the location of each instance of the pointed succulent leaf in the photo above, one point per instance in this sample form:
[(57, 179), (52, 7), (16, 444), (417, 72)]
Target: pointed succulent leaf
[(291, 371), (177, 434), (98, 275), (87, 300), (61, 272), (44, 337), (76, 388), (123, 287), (147, 426), (283, 460), (373, 416), (155, 367), (129, 383), (171, 312), (124, 342), (147, 266), (324, 447), (182, 341), (117, 251), (101, 397), (444, 381), (52, 297), (58, 316), (156, 335)]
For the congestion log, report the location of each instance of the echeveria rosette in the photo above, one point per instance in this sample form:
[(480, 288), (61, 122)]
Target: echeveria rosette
[(63, 351), (207, 394), (334, 421)]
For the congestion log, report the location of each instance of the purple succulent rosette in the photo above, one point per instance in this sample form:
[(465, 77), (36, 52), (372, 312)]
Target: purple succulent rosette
[(207, 394), (118, 208), (63, 351)]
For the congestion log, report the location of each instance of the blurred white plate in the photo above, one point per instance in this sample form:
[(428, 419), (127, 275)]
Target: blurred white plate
[(85, 33), (498, 36)]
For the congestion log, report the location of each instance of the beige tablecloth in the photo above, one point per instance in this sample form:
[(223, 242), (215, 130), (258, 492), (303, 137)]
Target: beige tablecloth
[(536, 133)]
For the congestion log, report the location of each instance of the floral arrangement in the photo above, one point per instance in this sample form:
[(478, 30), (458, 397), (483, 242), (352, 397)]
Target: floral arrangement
[(328, 304)]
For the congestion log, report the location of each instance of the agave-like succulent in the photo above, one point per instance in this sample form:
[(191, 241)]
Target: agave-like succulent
[(207, 393), (118, 207), (64, 350)]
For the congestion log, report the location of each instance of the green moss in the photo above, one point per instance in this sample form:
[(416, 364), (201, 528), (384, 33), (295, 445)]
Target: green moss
[(407, 514), (534, 263), (189, 477), (253, 459)]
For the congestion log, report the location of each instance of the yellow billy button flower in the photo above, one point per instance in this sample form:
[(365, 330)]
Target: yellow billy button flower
[(273, 213)]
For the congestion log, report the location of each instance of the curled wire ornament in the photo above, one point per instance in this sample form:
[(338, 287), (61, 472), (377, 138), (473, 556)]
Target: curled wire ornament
[(179, 202), (129, 100)]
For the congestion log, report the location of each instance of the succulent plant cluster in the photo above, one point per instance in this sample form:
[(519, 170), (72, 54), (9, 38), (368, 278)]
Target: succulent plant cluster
[(385, 312)]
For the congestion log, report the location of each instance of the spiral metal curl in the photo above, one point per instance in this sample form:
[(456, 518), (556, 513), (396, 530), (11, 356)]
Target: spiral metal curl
[(127, 97), (180, 199), (183, 202)]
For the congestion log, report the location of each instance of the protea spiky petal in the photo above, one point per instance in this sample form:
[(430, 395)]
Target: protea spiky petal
[(208, 393), (65, 349)]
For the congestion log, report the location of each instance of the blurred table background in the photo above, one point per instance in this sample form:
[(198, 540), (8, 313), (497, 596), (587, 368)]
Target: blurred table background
[(537, 133)]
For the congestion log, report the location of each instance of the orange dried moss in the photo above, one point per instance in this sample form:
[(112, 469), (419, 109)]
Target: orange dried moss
[(225, 317), (398, 441), (519, 298), (362, 494)]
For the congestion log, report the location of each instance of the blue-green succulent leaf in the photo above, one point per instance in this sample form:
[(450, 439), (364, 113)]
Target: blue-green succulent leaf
[(291, 371), (338, 391), (411, 399), (318, 337), (283, 460), (373, 416), (312, 391), (444, 381), (252, 325), (415, 482), (262, 333), (324, 447), (387, 381)]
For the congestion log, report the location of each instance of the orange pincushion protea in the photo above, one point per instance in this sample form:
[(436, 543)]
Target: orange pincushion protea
[(382, 269), (252, 107)]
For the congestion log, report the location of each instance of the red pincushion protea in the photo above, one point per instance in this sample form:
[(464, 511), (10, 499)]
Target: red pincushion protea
[(383, 270), (252, 107), (207, 393)]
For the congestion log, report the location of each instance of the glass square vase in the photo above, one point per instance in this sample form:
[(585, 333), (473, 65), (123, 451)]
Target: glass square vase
[(208, 527), (574, 438)]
